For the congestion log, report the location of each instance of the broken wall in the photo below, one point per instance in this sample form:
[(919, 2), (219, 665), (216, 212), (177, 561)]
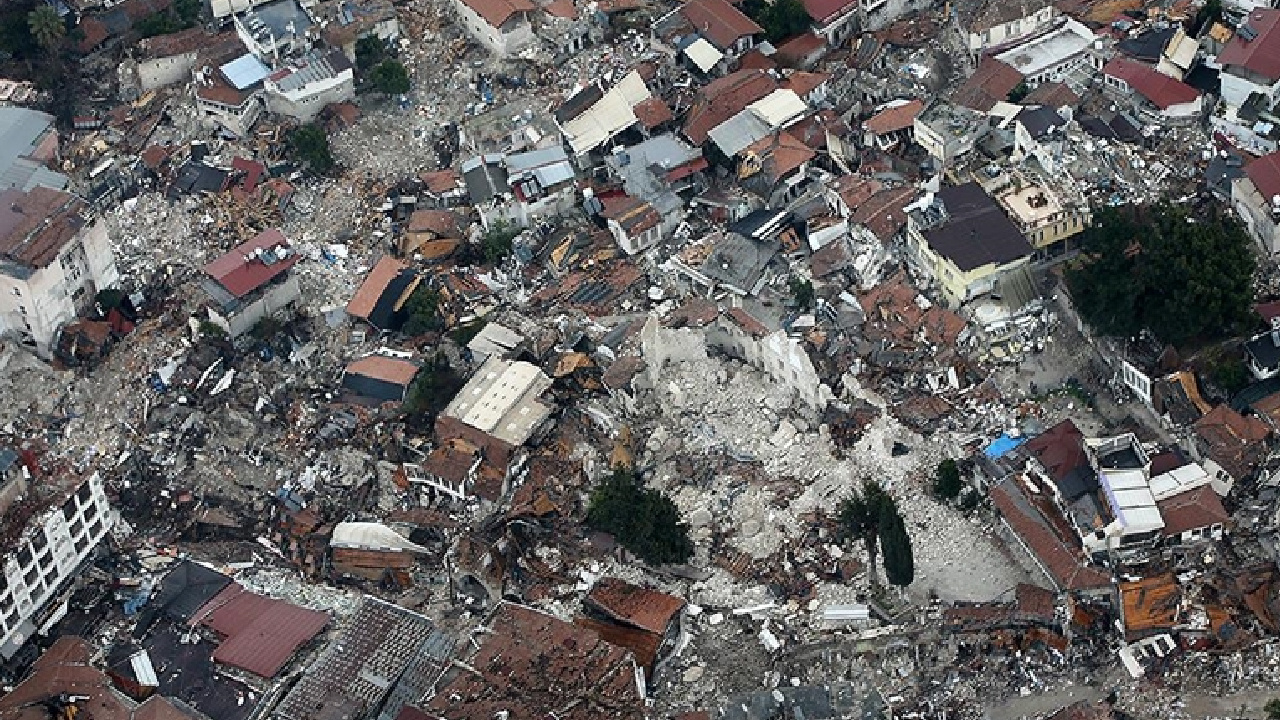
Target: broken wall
[(780, 356), (663, 345)]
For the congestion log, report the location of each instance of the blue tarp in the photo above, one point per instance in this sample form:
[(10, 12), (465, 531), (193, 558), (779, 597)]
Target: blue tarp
[(1002, 445)]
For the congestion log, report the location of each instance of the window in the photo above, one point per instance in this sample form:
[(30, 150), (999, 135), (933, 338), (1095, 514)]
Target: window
[(81, 544), (69, 509), (95, 529), (30, 577), (39, 541), (24, 556), (84, 493), (76, 527)]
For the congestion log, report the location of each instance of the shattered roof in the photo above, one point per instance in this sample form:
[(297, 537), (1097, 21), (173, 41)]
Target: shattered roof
[(1052, 94), (253, 264), (1064, 563), (359, 667), (725, 97), (642, 607), (990, 84), (821, 10), (261, 633), (719, 22), (529, 662), (36, 225), (186, 588), (894, 118), (884, 212), (63, 672), (1260, 55), (1149, 605)]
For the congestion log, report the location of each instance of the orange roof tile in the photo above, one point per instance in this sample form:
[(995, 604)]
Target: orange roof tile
[(375, 283)]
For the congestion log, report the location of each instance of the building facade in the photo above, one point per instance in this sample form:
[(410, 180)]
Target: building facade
[(51, 548), (55, 261)]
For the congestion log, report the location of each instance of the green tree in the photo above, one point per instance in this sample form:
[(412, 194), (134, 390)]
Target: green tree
[(899, 560), (781, 19), (1209, 13), (47, 28), (390, 77), (310, 145), (423, 311), (860, 516), (1272, 709), (433, 388), (370, 50), (159, 23), (1019, 91), (187, 11), (947, 483), (1160, 268), (16, 39), (802, 293), (642, 519), (497, 242)]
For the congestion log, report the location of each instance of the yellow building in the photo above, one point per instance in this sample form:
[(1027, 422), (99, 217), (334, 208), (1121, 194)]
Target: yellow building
[(1046, 222), (965, 243)]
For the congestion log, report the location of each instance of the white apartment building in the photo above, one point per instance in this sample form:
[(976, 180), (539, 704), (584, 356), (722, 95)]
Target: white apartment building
[(46, 553), (53, 262)]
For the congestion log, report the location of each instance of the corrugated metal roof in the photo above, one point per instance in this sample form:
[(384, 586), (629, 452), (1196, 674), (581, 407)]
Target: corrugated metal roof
[(738, 132), (251, 265), (245, 71), (779, 107), (261, 633)]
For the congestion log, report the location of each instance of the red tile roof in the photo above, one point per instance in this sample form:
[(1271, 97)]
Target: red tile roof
[(261, 633), (821, 10), (241, 275), (561, 9), (802, 83), (1260, 55), (725, 97), (652, 112), (380, 367), (497, 12), (441, 181), (375, 283), (989, 85), (883, 213), (719, 22), (1162, 90), (36, 225), (799, 48), (641, 607), (1064, 563), (856, 189), (1053, 94), (780, 154), (893, 119), (756, 60), (1198, 508), (528, 662), (1265, 174), (1060, 449), (746, 322)]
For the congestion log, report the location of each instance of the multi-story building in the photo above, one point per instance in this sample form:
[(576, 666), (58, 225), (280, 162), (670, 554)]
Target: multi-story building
[(995, 23), (505, 27), (948, 132), (274, 30), (49, 529), (53, 262), (251, 282), (304, 87), (1047, 219)]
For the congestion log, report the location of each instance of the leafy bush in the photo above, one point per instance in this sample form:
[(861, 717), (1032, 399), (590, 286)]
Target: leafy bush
[(644, 520)]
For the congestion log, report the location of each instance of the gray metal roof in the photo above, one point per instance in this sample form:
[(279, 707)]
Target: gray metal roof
[(245, 71), (21, 131), (313, 69)]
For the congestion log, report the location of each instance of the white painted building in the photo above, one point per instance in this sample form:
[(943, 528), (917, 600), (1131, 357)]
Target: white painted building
[(304, 87), (53, 262), (49, 550), (998, 22), (505, 27)]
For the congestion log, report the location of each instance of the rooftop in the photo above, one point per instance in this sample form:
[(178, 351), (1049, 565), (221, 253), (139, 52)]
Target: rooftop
[(897, 116), (253, 264), (374, 285), (1049, 50), (641, 607), (990, 84), (387, 369), (36, 225), (260, 633), (529, 661), (719, 22), (22, 159), (1256, 45), (1191, 510), (975, 232), (1064, 562), (497, 12), (1265, 174), (501, 399), (1030, 205), (1158, 88)]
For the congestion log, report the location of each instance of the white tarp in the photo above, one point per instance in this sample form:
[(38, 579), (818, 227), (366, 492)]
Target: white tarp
[(371, 536)]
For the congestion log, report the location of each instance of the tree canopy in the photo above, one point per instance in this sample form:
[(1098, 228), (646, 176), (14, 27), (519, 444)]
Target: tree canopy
[(497, 242), (370, 50), (1161, 268), (899, 560), (948, 484), (390, 77), (433, 388), (859, 517), (423, 311), (310, 145), (47, 28), (644, 520), (781, 19)]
